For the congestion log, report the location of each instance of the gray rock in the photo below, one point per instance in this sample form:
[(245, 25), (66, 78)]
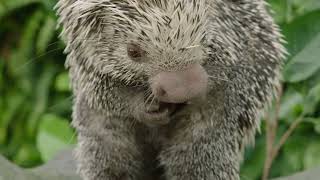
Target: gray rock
[(9, 171), (312, 174), (63, 168), (60, 168)]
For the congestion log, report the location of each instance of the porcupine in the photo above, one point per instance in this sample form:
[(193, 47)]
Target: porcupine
[(168, 89)]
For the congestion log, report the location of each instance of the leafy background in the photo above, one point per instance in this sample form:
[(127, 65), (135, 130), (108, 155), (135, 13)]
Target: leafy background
[(35, 98)]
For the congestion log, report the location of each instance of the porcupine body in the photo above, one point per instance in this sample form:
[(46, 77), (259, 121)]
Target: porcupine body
[(168, 89)]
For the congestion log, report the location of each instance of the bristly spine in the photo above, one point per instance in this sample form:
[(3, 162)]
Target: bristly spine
[(158, 26)]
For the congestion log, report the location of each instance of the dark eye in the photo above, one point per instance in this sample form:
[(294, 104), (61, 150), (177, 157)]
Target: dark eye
[(135, 52)]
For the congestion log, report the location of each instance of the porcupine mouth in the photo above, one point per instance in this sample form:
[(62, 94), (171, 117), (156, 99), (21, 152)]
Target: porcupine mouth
[(163, 112)]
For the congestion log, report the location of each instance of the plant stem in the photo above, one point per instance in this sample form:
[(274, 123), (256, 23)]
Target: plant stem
[(272, 149), (271, 132)]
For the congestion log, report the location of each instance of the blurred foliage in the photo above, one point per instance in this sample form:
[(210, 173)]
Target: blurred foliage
[(35, 98), (300, 24)]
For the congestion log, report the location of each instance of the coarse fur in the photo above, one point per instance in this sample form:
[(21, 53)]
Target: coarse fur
[(237, 43)]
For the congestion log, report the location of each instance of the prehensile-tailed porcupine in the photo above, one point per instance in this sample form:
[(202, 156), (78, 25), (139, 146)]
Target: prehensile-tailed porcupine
[(168, 89)]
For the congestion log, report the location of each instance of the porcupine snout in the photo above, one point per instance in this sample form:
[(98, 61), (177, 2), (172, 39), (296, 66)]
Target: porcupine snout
[(180, 86)]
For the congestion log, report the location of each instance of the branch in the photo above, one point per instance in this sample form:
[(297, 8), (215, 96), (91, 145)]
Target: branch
[(271, 132), (286, 135), (272, 149)]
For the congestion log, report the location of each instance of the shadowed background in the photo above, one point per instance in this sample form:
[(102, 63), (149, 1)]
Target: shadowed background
[(35, 98)]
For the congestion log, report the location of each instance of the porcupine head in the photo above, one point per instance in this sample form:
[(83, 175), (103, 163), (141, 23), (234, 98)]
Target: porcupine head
[(136, 57), (148, 58)]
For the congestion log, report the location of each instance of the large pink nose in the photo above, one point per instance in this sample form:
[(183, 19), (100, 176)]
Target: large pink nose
[(180, 86)]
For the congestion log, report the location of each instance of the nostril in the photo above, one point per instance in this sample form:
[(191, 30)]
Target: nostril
[(161, 92), (179, 86)]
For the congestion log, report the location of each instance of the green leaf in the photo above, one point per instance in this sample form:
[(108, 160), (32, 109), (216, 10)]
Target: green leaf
[(312, 99), (305, 6), (293, 152), (49, 4), (304, 64), (288, 10), (41, 98), (303, 36), (13, 106), (20, 63), (61, 104), (254, 161), (55, 134), (290, 102), (280, 10), (315, 122), (2, 66), (27, 156), (301, 32), (312, 155), (317, 127), (7, 6), (47, 32), (62, 82)]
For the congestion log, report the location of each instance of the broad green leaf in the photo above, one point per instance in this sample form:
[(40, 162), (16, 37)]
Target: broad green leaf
[(303, 36), (282, 167), (255, 157), (47, 32), (17, 134), (290, 102), (300, 32), (27, 156), (55, 134), (315, 121), (312, 155), (288, 10), (49, 4), (20, 63), (305, 6), (293, 152), (312, 100), (280, 10), (2, 66), (304, 64), (62, 82), (29, 35), (7, 6), (317, 127), (41, 97), (12, 106), (61, 104)]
